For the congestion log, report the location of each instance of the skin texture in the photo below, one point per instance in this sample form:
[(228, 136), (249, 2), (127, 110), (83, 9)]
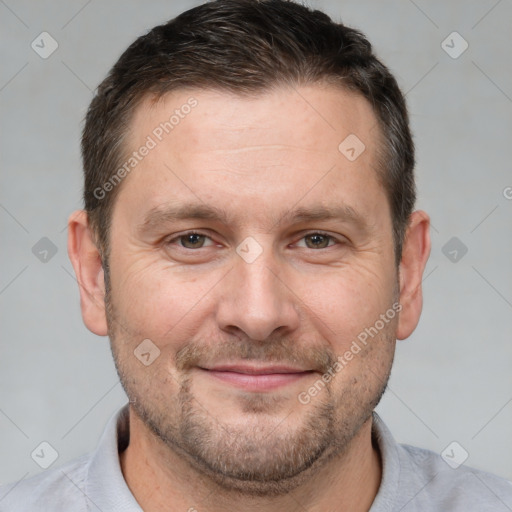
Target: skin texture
[(200, 441)]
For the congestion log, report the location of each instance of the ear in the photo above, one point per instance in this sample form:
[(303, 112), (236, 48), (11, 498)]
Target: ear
[(415, 253), (86, 261)]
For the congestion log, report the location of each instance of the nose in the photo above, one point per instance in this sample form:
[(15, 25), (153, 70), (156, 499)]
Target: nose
[(256, 299)]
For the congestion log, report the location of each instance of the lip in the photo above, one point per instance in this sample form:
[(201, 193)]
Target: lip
[(257, 378), (255, 370)]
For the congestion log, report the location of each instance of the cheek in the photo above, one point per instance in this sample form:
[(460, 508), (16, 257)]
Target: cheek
[(342, 304), (159, 302)]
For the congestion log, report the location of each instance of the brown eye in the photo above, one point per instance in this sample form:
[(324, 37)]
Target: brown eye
[(317, 241), (192, 240)]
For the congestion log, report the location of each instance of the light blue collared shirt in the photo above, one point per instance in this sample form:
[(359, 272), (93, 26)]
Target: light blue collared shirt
[(413, 480)]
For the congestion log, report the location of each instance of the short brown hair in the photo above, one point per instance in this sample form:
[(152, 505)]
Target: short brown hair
[(245, 47)]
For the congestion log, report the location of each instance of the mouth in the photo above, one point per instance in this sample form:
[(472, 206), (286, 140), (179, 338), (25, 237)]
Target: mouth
[(257, 378)]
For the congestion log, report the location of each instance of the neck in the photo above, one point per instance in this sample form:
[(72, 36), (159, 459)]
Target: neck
[(162, 480)]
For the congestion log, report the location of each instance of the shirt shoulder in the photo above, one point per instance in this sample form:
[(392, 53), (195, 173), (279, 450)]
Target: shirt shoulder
[(58, 489), (419, 480), (91, 482), (429, 483)]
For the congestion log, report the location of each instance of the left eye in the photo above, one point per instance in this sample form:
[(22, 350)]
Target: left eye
[(318, 241)]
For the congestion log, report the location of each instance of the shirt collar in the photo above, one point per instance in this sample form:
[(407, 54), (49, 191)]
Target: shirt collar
[(390, 478), (105, 485)]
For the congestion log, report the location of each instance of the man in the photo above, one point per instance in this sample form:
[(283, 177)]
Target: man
[(250, 247)]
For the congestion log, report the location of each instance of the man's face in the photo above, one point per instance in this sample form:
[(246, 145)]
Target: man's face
[(250, 311)]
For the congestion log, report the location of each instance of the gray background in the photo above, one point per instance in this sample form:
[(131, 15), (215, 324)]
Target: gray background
[(452, 380)]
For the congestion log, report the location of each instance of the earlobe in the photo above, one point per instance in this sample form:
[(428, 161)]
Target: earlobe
[(86, 261), (415, 253)]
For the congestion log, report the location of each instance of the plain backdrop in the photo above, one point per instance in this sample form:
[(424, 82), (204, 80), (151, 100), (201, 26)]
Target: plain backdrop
[(452, 379)]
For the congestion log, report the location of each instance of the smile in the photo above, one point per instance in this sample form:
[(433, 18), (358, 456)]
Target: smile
[(252, 378)]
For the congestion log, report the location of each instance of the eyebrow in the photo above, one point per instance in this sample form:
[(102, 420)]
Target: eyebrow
[(165, 214), (161, 215)]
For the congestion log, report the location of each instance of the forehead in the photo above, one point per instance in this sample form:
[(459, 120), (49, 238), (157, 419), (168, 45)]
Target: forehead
[(315, 117), (270, 150)]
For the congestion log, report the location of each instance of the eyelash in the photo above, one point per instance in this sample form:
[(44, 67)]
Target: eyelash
[(188, 233)]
